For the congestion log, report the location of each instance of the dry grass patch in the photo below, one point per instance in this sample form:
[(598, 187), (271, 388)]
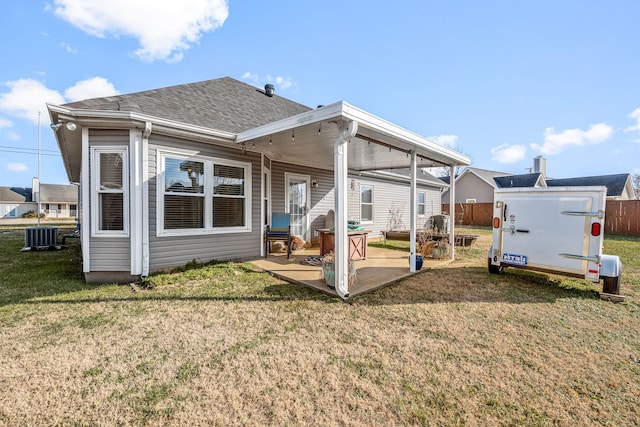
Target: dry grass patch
[(224, 345)]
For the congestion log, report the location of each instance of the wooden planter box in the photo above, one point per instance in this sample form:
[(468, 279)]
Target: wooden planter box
[(357, 243)]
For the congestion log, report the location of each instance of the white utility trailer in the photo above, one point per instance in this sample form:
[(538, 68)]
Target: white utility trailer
[(557, 230)]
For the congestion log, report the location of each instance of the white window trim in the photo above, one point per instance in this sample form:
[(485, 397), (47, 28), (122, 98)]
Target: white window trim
[(373, 204), (95, 192), (424, 194), (208, 195)]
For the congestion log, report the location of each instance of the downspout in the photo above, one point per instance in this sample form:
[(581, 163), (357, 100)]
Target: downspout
[(85, 203), (347, 130), (145, 198)]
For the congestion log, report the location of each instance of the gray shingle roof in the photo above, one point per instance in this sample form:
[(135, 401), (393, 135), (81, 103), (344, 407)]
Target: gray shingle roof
[(615, 183), (512, 181), (53, 193), (223, 104), (487, 174), (15, 194)]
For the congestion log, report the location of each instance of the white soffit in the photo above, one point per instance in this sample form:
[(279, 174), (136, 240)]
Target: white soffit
[(308, 139)]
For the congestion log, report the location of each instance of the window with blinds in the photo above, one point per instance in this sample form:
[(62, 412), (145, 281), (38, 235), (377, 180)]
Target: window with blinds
[(110, 205), (183, 194), (203, 195)]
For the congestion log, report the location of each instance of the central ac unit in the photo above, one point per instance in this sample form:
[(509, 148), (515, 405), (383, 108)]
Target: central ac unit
[(41, 237)]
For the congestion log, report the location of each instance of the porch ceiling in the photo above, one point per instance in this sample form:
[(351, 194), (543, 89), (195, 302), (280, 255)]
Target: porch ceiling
[(309, 138)]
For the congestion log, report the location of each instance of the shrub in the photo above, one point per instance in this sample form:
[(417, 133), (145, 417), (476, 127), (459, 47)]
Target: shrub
[(32, 214)]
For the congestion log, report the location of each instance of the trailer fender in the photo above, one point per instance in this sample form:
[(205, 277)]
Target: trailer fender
[(610, 266)]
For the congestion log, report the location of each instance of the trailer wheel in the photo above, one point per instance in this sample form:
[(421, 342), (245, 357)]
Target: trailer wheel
[(611, 285), (494, 269)]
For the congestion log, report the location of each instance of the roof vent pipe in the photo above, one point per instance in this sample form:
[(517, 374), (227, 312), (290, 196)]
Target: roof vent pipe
[(269, 90)]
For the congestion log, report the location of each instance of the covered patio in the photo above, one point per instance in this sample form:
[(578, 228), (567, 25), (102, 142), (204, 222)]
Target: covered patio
[(349, 140), (382, 267)]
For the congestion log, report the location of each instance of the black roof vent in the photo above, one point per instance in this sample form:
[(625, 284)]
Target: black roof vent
[(269, 90)]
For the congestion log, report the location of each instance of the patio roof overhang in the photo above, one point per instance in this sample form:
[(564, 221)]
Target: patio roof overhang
[(309, 138)]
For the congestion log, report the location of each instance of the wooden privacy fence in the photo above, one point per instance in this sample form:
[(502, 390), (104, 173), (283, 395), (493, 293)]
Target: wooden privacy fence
[(621, 216), (477, 214)]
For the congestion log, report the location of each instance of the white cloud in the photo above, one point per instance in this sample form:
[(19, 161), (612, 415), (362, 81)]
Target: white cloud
[(282, 82), (251, 77), (12, 136), (26, 98), (4, 123), (448, 141), (68, 48), (555, 142), (164, 30), (506, 153), (95, 87), (17, 167), (635, 114)]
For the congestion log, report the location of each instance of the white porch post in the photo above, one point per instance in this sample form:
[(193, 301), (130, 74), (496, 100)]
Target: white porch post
[(85, 204), (346, 132), (452, 210), (412, 227)]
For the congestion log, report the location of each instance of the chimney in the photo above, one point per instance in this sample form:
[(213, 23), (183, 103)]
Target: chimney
[(269, 89), (540, 165)]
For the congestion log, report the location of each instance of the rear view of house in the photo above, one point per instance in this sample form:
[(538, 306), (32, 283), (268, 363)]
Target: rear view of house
[(194, 172)]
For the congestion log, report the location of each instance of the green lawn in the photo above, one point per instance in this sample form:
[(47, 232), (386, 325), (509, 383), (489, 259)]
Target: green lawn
[(223, 344)]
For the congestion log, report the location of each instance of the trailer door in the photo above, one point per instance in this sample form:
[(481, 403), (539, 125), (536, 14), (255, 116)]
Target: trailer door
[(537, 234)]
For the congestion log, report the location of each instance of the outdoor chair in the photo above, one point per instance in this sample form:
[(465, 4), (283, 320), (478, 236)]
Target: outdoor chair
[(280, 230)]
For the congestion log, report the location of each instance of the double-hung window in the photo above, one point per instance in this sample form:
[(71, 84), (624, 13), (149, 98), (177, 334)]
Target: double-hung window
[(202, 195), (110, 207), (366, 203), (421, 203)]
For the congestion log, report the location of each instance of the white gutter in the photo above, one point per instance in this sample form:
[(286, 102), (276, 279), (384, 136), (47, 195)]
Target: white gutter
[(85, 231), (145, 198), (100, 118)]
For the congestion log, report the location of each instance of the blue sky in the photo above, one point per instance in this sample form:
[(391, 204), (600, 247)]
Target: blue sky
[(501, 81)]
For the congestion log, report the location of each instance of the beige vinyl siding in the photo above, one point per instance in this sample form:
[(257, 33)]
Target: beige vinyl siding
[(108, 253), (388, 197), (470, 186), (172, 251), (322, 196)]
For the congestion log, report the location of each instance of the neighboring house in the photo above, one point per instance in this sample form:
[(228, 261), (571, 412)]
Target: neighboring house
[(13, 201), (57, 201), (476, 185), (619, 186), (194, 172)]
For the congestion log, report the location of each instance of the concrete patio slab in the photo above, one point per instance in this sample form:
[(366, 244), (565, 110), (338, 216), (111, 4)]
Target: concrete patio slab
[(381, 268)]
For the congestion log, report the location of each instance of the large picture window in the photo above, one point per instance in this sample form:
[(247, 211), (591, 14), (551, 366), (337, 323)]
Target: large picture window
[(202, 195), (366, 203), (110, 202)]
